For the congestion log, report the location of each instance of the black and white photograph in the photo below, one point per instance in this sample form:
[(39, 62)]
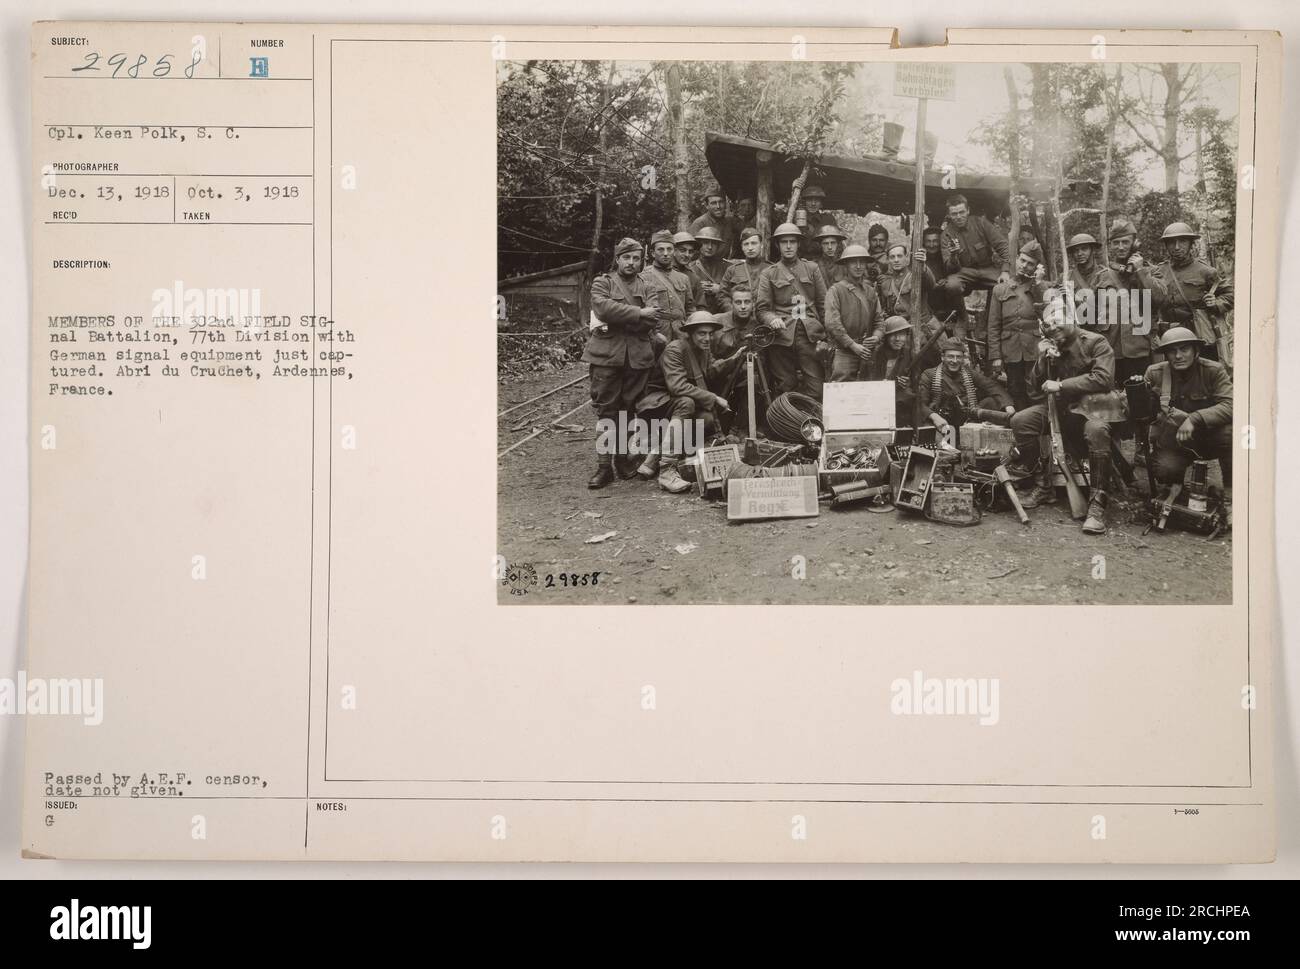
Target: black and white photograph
[(790, 332)]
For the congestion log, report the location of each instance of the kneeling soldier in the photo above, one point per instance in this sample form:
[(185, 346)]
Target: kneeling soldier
[(688, 367), (953, 392), (1084, 363), (1195, 410)]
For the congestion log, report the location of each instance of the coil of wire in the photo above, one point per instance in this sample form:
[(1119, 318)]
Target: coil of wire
[(784, 471), (786, 414)]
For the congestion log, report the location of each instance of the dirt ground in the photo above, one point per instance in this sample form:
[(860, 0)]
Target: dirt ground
[(681, 548)]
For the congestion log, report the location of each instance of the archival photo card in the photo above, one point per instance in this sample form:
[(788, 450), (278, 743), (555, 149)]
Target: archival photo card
[(509, 443)]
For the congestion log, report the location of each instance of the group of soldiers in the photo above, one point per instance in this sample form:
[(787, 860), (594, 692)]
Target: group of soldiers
[(667, 337)]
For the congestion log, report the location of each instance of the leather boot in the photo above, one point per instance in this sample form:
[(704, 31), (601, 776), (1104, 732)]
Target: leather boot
[(625, 466), (1099, 475), (669, 478), (1040, 494), (649, 467), (604, 472), (1025, 464)]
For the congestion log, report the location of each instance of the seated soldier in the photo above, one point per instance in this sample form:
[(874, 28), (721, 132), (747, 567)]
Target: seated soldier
[(893, 361), (1194, 410), (688, 367), (953, 392), (1081, 362)]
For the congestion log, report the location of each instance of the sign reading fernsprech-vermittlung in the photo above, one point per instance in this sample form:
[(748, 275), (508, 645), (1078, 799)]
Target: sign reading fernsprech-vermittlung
[(926, 80), (794, 497)]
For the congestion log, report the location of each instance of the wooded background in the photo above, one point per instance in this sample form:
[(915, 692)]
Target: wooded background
[(591, 151)]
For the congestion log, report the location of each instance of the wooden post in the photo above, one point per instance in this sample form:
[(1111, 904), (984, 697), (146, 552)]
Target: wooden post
[(918, 224), (763, 198)]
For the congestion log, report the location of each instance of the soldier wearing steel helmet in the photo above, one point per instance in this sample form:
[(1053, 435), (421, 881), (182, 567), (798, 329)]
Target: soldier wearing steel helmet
[(792, 300), (1089, 277), (853, 316), (831, 238), (709, 268), (1198, 295), (893, 361), (690, 371), (813, 200), (1132, 339), (1193, 414)]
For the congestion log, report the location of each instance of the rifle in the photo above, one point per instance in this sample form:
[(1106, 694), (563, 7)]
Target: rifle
[(1078, 504)]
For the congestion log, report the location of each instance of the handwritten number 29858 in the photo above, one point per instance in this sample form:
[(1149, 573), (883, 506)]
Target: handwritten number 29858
[(162, 67)]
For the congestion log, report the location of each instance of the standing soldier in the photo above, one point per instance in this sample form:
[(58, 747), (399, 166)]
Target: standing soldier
[(877, 246), (853, 316), (1145, 297), (1198, 295), (746, 271), (620, 353), (974, 253), (1013, 324), (1194, 413), (1089, 279), (897, 292), (672, 289), (1082, 363), (953, 393), (715, 218), (791, 300), (831, 239), (685, 249), (709, 269), (689, 366), (813, 198)]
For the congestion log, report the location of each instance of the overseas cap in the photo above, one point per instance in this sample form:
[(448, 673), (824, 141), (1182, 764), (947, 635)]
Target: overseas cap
[(663, 235), (626, 245), (952, 343), (1122, 227), (1033, 250), (749, 232)]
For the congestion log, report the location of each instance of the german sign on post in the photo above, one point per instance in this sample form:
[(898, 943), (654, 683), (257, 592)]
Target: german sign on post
[(922, 80)]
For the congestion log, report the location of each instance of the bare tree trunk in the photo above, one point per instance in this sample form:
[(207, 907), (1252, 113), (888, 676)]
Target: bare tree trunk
[(1013, 157), (1043, 109), (681, 161), (1169, 137), (593, 260), (1113, 117), (797, 189), (763, 200)]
